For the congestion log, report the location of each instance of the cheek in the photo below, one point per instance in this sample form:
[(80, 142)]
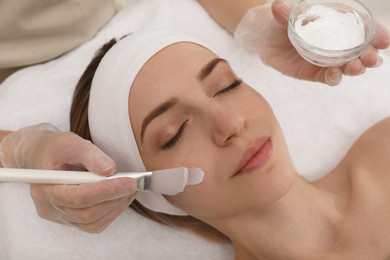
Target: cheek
[(191, 152), (194, 149), (218, 199), (255, 104), (205, 200), (252, 105)]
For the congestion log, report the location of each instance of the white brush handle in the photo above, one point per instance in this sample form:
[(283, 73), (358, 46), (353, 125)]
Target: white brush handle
[(47, 176), (167, 181)]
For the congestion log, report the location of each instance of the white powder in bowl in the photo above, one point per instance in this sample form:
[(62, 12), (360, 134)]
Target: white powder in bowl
[(329, 28)]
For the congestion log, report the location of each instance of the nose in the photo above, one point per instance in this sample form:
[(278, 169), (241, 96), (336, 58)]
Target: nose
[(227, 124)]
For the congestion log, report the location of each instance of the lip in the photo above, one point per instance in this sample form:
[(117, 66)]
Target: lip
[(256, 156)]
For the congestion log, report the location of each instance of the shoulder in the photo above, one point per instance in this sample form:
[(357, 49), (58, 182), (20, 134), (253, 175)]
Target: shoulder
[(366, 162), (371, 152), (376, 139)]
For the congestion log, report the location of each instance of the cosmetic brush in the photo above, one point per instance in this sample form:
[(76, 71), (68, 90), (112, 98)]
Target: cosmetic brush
[(168, 181)]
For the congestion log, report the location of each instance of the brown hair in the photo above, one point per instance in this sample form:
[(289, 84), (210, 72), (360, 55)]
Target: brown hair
[(79, 125)]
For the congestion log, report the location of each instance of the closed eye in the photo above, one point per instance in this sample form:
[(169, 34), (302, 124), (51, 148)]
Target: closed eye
[(173, 141), (235, 84)]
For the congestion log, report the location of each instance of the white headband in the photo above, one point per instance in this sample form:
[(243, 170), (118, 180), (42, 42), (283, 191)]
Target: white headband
[(108, 110)]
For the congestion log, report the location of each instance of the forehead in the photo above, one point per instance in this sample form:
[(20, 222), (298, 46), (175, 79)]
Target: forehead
[(173, 71)]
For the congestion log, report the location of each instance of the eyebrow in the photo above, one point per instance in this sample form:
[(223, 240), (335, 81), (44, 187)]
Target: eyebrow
[(164, 107), (209, 67)]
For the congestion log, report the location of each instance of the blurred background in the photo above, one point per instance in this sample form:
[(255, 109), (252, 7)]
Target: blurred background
[(381, 11)]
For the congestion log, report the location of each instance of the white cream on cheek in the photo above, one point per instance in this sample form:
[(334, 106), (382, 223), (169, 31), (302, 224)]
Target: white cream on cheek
[(327, 28)]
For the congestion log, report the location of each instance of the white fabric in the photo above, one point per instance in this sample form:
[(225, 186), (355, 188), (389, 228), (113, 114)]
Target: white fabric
[(320, 124), (256, 19), (108, 111)]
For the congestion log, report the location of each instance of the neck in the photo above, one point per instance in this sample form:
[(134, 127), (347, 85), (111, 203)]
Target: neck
[(304, 220)]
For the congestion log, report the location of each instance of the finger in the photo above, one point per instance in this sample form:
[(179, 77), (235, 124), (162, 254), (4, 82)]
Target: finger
[(83, 195), (102, 223), (354, 68), (369, 57), (331, 76), (382, 37), (87, 195), (92, 214), (89, 215), (84, 154), (281, 10), (379, 62)]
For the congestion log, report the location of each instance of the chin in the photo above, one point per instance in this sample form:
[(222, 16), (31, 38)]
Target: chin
[(274, 181)]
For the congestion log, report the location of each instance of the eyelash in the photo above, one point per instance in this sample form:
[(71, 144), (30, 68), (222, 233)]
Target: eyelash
[(172, 142), (235, 84)]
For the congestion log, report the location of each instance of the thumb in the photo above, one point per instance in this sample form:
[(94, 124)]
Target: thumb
[(99, 163), (74, 151), (281, 11)]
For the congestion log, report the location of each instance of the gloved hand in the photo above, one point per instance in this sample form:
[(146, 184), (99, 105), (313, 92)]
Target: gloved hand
[(89, 207), (263, 30)]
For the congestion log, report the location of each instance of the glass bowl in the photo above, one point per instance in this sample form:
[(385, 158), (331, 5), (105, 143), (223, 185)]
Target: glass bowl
[(338, 33)]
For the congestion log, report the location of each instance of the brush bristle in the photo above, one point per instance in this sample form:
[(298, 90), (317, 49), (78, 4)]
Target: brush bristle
[(169, 181), (195, 176), (173, 181)]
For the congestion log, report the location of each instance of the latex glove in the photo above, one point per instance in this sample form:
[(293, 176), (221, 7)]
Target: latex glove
[(89, 207), (263, 30)]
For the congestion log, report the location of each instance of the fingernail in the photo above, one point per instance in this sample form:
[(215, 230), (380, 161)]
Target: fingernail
[(362, 70), (129, 186), (104, 165), (379, 62), (124, 187), (334, 78)]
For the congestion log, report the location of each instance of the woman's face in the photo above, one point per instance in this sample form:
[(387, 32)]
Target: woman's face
[(188, 108)]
